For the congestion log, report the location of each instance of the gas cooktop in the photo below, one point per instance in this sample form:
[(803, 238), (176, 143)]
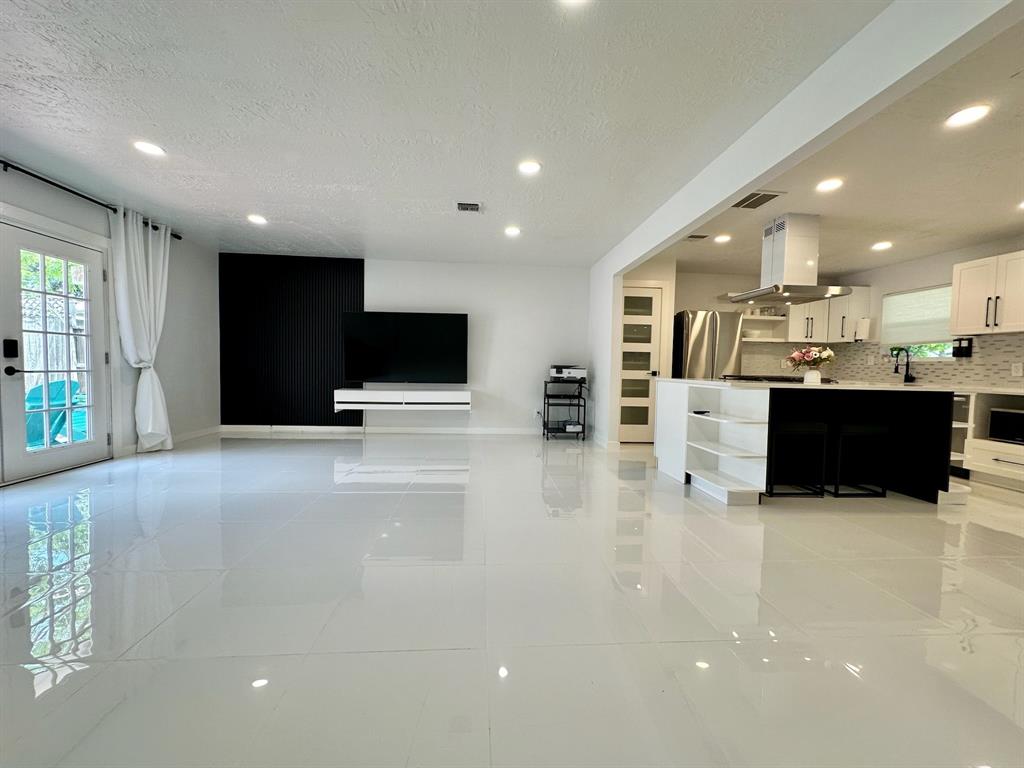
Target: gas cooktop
[(791, 379)]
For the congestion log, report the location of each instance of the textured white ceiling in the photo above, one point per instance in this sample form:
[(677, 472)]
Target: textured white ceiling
[(356, 126), (909, 179)]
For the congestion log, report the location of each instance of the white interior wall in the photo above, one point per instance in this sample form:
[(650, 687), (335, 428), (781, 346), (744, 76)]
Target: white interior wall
[(521, 320), (898, 50), (701, 291), (188, 360)]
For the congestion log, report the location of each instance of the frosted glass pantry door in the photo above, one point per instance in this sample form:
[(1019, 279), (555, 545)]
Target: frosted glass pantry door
[(641, 351)]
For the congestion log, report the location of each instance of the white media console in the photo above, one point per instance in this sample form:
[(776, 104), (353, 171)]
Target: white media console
[(401, 400)]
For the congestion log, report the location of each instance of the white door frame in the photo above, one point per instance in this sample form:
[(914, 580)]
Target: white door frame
[(59, 230), (668, 302)]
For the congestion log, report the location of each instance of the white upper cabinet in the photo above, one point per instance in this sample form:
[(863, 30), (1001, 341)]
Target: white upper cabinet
[(1008, 308), (988, 295), (818, 313), (844, 312), (808, 323)]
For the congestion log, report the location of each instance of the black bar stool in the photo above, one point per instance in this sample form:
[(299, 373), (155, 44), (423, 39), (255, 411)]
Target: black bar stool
[(860, 460), (797, 457)]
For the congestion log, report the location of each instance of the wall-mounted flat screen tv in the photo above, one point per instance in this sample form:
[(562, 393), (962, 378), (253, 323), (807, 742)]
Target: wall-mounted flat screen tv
[(405, 347)]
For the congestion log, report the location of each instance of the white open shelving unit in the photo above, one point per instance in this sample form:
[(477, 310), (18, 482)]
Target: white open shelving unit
[(764, 329), (723, 452)]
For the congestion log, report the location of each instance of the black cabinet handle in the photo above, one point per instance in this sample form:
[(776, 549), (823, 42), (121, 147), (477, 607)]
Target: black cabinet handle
[(811, 336), (654, 373), (995, 313), (10, 370), (807, 327), (842, 328), (1008, 461), (988, 306)]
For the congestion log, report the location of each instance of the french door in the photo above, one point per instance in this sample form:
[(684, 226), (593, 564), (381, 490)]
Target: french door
[(54, 391), (641, 352)]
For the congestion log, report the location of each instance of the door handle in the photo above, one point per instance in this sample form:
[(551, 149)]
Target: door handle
[(812, 329), (988, 306), (807, 327), (10, 370), (995, 314), (842, 328)]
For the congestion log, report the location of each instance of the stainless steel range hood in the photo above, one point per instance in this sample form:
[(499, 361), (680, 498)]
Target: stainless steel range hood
[(789, 294), (789, 264)]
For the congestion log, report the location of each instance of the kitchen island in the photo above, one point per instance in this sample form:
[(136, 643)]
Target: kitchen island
[(739, 440)]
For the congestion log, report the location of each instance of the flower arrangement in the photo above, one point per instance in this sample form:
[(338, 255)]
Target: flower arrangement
[(810, 357)]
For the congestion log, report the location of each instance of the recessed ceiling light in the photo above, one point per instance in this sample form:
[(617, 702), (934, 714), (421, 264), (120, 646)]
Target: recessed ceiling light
[(256, 218), (529, 167), (810, 262), (723, 238), (260, 683), (967, 115), (512, 231), (502, 672), (750, 301), (829, 185), (702, 665), (884, 245), (1021, 206), (149, 148), (573, 3)]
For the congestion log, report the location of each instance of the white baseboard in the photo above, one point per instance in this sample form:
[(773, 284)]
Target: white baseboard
[(267, 430), (194, 434), (496, 431), (285, 431)]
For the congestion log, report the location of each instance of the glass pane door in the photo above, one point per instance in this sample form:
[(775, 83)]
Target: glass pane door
[(55, 301), (53, 392)]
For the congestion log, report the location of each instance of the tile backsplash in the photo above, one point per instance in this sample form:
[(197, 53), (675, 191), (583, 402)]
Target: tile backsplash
[(867, 361)]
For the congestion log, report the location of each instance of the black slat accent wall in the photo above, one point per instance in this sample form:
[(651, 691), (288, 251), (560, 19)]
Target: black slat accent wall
[(281, 343)]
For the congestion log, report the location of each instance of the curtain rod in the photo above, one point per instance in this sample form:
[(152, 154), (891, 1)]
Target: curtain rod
[(8, 165)]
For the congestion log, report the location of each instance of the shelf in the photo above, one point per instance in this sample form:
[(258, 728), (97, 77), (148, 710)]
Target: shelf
[(724, 487), (765, 318), (960, 425), (728, 418), (721, 449), (757, 339)]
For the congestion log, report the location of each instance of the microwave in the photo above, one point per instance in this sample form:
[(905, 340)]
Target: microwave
[(1006, 425)]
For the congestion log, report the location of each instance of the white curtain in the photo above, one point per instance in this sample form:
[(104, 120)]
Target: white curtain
[(140, 262)]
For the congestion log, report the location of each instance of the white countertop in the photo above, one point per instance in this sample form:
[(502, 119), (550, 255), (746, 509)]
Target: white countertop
[(869, 385)]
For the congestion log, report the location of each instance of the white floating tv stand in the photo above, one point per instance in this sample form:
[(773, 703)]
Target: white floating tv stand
[(402, 400)]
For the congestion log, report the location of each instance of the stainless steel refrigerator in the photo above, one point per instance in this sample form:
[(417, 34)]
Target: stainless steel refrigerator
[(706, 344)]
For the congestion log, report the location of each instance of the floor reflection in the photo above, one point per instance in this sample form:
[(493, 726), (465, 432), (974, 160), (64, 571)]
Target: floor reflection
[(59, 612)]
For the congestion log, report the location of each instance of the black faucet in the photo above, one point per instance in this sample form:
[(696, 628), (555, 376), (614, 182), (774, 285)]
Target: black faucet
[(895, 352)]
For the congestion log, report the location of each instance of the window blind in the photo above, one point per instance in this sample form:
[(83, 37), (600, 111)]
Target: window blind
[(916, 317)]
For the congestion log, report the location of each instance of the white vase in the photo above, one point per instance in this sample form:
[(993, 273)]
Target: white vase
[(812, 376)]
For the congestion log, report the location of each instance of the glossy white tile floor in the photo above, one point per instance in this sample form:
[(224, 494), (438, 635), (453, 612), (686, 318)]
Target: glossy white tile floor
[(443, 601)]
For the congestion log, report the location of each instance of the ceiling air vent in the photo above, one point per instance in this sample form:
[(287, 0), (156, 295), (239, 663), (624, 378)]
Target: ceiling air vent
[(468, 207), (756, 199), (696, 237)]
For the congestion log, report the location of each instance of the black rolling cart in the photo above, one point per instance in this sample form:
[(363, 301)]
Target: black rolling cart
[(565, 397)]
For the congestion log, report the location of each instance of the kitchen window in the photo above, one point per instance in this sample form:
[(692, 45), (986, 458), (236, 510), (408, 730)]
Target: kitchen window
[(919, 320)]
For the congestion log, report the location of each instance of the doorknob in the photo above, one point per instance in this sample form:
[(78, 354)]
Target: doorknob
[(654, 373), (10, 370)]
